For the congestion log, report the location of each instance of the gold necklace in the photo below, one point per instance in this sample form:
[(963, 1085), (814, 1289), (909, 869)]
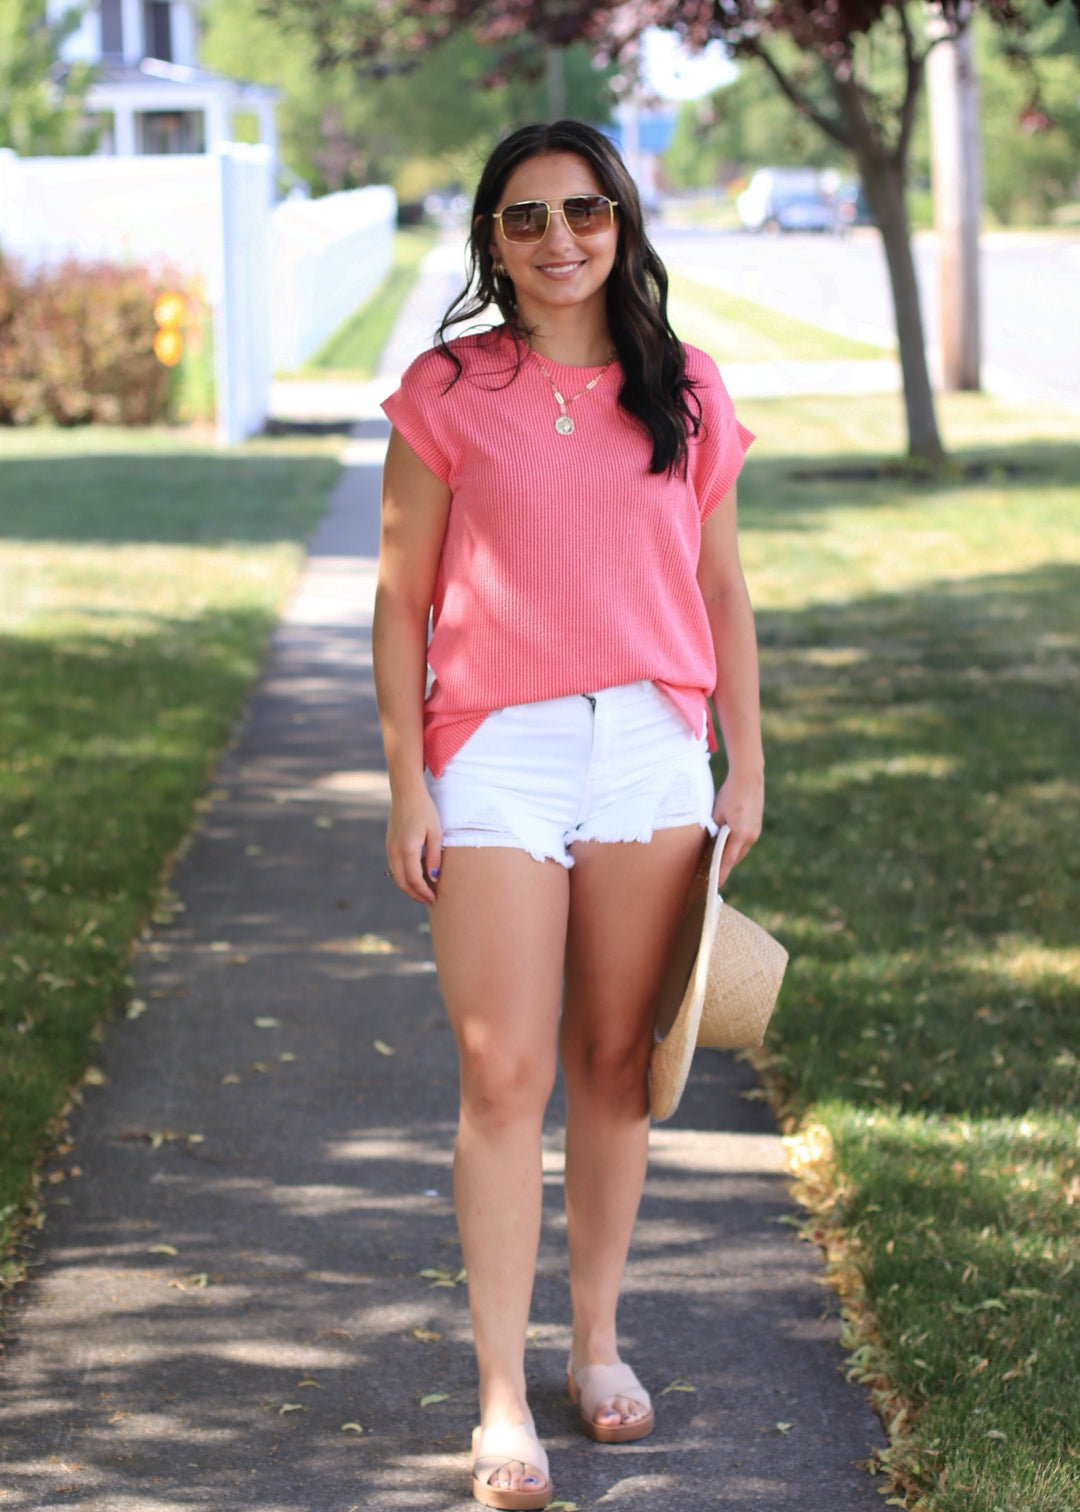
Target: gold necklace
[(564, 423)]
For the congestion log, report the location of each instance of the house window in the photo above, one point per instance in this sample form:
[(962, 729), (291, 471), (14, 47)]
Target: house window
[(165, 131), (157, 27), (112, 29)]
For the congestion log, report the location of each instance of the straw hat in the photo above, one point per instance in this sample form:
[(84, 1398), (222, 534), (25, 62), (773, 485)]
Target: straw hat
[(720, 987)]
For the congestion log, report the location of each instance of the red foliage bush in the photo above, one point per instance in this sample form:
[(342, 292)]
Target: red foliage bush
[(76, 346)]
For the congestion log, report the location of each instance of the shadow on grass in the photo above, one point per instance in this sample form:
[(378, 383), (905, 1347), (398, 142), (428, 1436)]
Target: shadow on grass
[(168, 497), (836, 480), (920, 860)]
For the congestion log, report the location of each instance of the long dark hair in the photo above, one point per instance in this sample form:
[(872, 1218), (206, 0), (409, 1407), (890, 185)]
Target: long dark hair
[(656, 389)]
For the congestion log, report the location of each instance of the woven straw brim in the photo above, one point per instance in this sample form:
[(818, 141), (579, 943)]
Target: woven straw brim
[(728, 992)]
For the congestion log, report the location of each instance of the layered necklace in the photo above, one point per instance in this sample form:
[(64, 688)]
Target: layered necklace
[(564, 423)]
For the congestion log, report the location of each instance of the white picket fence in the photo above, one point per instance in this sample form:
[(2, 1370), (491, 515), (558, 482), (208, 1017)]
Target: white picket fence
[(328, 255), (278, 280)]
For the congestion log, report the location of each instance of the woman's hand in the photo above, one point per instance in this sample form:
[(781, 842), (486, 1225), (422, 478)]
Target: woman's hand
[(414, 845), (739, 804)]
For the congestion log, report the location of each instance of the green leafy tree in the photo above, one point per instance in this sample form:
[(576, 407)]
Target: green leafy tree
[(1030, 110), (743, 125), (40, 97), (419, 127)]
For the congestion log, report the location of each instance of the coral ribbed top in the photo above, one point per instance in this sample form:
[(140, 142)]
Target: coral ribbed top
[(566, 566)]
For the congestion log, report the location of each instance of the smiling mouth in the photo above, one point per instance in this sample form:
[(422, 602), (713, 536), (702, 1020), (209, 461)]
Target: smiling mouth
[(561, 267)]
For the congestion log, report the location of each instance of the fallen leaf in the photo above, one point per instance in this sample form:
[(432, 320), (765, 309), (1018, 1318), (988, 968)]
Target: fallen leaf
[(365, 944), (230, 1079), (373, 944), (677, 1385), (323, 821), (352, 1427), (334, 1333), (286, 1055), (562, 1506), (783, 1427), (291, 1407), (267, 1023), (238, 960), (161, 1249), (220, 947), (196, 1139), (253, 850), (93, 1077), (307, 1381), (383, 1048), (996, 1433), (426, 1336), (135, 1008), (434, 1396)]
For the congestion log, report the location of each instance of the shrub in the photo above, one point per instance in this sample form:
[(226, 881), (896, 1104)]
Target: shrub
[(76, 346)]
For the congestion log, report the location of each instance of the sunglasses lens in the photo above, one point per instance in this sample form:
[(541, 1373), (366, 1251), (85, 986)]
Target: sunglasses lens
[(525, 222), (588, 214)]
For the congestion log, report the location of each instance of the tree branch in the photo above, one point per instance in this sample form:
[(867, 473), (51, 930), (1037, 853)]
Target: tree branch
[(828, 124), (915, 64)]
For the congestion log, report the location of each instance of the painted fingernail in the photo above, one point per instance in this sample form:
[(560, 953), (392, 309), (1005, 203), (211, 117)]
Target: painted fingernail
[(434, 871)]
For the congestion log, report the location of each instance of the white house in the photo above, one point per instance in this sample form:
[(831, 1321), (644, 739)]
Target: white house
[(149, 86)]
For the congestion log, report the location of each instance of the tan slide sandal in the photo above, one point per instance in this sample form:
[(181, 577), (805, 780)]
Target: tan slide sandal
[(495, 1447), (590, 1385)]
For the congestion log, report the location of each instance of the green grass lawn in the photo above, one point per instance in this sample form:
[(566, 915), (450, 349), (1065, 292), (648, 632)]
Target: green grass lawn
[(140, 575), (355, 347), (732, 329), (920, 666)]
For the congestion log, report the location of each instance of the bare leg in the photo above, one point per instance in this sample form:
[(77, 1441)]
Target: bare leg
[(499, 932), (625, 904)]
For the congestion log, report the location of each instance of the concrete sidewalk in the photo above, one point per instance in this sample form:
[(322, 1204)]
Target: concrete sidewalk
[(251, 1299)]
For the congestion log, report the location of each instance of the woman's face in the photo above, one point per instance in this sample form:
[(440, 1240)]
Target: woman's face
[(562, 270)]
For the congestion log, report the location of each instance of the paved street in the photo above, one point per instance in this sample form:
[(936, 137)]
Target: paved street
[(1031, 304)]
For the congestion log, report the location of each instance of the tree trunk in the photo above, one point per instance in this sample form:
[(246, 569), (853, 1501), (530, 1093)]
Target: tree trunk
[(885, 190)]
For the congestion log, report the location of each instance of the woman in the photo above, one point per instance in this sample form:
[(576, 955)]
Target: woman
[(560, 492)]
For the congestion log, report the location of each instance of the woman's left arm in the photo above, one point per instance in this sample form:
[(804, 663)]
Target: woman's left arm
[(741, 798)]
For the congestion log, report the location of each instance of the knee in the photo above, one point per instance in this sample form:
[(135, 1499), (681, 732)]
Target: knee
[(502, 1084), (607, 1063)]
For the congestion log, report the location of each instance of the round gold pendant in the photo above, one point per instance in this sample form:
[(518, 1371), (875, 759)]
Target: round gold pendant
[(564, 425)]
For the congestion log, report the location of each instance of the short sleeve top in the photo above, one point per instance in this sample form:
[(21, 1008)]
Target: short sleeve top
[(567, 566)]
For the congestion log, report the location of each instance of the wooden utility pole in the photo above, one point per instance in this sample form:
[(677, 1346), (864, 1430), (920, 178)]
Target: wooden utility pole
[(952, 92)]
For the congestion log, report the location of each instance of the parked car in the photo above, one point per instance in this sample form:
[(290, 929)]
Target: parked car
[(785, 199)]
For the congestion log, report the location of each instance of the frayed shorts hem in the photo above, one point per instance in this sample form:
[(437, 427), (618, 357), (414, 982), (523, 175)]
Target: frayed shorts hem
[(507, 840)]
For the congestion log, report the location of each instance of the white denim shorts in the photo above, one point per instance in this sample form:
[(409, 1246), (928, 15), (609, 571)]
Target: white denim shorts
[(612, 765)]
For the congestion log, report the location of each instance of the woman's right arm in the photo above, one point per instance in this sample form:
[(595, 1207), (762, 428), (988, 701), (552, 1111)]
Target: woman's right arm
[(415, 508)]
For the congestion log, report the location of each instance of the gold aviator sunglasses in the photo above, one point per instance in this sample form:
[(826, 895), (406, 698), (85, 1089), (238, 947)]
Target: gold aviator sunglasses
[(584, 214)]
